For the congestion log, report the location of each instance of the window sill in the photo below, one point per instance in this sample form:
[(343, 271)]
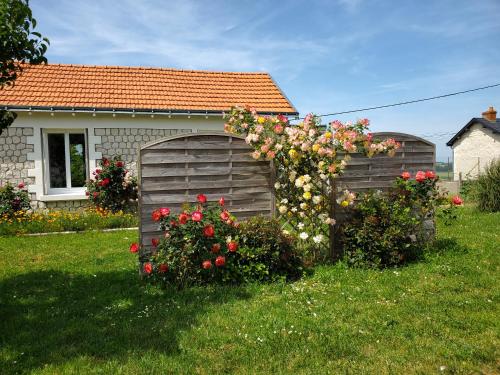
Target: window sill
[(63, 197)]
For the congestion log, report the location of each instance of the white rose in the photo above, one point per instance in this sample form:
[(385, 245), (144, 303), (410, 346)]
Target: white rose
[(318, 238), (300, 226), (316, 199), (304, 236), (282, 209), (307, 187), (277, 185)]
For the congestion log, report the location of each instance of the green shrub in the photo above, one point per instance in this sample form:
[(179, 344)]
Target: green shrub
[(389, 229), (112, 189), (267, 253), (13, 200), (381, 232), (487, 188)]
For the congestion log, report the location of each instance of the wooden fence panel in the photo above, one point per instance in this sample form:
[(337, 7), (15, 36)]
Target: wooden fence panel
[(380, 171), (175, 170)]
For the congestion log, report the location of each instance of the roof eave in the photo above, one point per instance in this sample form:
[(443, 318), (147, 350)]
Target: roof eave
[(146, 111)]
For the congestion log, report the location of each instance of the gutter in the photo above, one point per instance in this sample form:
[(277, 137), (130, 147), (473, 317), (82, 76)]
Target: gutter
[(128, 111)]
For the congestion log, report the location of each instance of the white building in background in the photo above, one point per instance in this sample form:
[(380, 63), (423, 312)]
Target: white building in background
[(476, 145)]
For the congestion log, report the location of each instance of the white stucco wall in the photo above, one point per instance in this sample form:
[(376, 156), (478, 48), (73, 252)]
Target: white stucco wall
[(477, 147), (105, 132)]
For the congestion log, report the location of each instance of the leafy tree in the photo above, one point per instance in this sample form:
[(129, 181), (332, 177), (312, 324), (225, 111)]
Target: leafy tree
[(19, 43)]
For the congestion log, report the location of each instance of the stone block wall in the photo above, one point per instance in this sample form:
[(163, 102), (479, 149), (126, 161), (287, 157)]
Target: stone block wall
[(14, 150), (126, 142)]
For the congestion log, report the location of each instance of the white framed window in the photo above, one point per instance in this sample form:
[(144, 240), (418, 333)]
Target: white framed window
[(65, 161)]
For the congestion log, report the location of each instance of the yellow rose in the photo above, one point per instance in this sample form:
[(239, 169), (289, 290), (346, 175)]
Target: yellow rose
[(344, 203), (307, 195), (261, 120), (293, 154), (328, 135), (315, 147)]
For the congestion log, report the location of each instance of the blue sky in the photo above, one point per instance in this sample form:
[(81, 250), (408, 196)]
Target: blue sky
[(327, 56)]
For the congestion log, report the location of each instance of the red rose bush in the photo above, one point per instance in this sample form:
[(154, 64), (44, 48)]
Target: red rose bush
[(112, 188), (203, 244), (198, 245)]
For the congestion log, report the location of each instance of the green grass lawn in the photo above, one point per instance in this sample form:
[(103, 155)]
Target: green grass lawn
[(73, 304)]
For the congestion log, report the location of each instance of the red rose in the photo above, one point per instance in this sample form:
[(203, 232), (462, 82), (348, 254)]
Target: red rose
[(196, 216), (163, 268), (148, 268), (134, 248), (420, 176), (282, 118), (405, 175), (21, 185), (430, 175), (222, 201), (215, 248), (232, 246), (207, 264), (173, 223), (105, 182), (155, 242), (209, 231), (457, 201), (183, 218), (105, 162), (156, 215), (96, 194), (97, 171), (201, 198), (220, 261), (119, 164), (87, 193), (224, 215), (164, 211)]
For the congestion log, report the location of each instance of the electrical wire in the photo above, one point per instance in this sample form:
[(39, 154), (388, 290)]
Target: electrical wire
[(405, 102)]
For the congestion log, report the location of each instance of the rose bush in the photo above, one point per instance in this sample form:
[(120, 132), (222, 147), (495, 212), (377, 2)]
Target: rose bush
[(307, 160), (112, 187), (390, 229), (204, 244), (198, 245), (13, 200)]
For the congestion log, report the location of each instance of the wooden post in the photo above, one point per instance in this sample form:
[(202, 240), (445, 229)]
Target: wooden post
[(334, 250)]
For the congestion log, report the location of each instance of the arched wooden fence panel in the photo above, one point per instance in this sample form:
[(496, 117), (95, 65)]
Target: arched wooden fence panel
[(380, 171), (175, 170)]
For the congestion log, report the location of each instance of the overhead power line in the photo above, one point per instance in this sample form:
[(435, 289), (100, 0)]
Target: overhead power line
[(406, 102)]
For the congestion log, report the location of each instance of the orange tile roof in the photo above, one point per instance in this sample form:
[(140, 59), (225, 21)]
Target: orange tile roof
[(62, 86)]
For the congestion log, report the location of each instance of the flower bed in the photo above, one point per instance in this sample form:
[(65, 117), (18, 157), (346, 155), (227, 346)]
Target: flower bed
[(26, 222)]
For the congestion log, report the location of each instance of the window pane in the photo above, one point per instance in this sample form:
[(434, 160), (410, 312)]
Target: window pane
[(77, 157), (57, 161)]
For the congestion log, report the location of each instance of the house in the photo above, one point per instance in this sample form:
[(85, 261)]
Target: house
[(71, 116), (476, 145)]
